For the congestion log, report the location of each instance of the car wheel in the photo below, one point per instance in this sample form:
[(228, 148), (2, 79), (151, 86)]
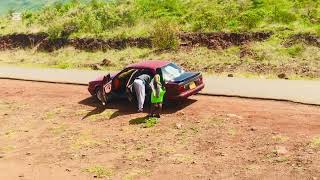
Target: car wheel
[(99, 95)]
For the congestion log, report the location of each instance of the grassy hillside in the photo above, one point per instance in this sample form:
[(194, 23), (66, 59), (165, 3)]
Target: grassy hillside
[(127, 18), (163, 20)]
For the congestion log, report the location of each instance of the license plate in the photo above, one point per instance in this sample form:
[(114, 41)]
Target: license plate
[(192, 85)]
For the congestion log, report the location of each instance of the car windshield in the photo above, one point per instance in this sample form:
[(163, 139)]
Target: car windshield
[(171, 71)]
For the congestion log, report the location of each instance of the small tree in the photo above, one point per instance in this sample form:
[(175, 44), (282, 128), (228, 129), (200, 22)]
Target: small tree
[(165, 35)]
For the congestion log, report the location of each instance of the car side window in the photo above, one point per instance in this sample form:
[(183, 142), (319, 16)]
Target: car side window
[(121, 79), (125, 73)]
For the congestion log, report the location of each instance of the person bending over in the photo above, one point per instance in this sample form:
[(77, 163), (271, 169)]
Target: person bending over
[(140, 85)]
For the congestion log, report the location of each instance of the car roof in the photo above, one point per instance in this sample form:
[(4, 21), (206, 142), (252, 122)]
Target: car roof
[(149, 64)]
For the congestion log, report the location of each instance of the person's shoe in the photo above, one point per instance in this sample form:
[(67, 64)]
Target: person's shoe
[(140, 110)]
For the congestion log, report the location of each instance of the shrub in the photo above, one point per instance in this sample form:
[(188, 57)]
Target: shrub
[(55, 31), (62, 29), (317, 29), (102, 18), (165, 35), (250, 19), (206, 16), (282, 16), (296, 50)]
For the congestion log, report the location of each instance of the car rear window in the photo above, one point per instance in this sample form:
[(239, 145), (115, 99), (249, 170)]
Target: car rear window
[(171, 71)]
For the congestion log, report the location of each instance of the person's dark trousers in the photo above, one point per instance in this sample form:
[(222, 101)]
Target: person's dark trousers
[(156, 109)]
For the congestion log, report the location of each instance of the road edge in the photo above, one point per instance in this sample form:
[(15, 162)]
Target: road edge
[(200, 93)]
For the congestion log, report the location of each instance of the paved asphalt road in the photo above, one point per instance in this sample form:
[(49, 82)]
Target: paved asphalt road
[(293, 90)]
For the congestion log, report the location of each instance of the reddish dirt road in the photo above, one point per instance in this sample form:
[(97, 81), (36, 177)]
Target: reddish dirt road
[(54, 131)]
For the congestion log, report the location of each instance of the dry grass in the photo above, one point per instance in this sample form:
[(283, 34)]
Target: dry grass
[(270, 52), (280, 138), (99, 171), (315, 142), (84, 140)]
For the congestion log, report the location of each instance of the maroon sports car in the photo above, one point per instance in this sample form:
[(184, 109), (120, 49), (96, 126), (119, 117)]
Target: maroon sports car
[(179, 84)]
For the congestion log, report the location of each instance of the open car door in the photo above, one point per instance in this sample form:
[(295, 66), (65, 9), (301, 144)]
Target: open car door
[(105, 89), (129, 89)]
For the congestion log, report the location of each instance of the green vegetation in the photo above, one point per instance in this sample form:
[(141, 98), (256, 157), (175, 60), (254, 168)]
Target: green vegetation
[(99, 171), (84, 140), (315, 142), (150, 122), (163, 20), (266, 59), (147, 122), (164, 35), (129, 18), (105, 115), (280, 138)]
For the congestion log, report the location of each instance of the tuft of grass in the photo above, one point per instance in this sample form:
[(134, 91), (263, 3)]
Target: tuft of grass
[(134, 173), (147, 122), (232, 131), (84, 140), (281, 159), (81, 112), (4, 105), (181, 158), (58, 129), (6, 149), (296, 50), (315, 142), (280, 138), (217, 121), (10, 134), (150, 122), (49, 115), (99, 171), (194, 130), (135, 155), (52, 113), (107, 114)]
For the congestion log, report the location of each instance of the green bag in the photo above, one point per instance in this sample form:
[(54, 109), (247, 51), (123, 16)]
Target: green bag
[(155, 99)]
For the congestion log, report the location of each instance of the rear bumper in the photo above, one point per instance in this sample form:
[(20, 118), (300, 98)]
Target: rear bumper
[(188, 93)]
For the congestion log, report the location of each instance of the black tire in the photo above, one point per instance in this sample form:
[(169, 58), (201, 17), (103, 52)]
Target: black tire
[(96, 95)]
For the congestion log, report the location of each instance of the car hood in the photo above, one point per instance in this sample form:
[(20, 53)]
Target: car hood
[(185, 77)]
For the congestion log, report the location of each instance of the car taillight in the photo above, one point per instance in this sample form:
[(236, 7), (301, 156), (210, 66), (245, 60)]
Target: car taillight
[(181, 88), (200, 80)]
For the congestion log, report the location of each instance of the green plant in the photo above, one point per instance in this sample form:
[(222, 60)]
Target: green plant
[(146, 121), (55, 31), (84, 140), (295, 50), (280, 138), (150, 122), (251, 19), (99, 171), (128, 18), (217, 121), (315, 142), (232, 131), (165, 35), (206, 19)]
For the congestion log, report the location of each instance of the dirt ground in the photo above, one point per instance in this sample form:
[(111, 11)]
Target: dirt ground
[(54, 131)]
